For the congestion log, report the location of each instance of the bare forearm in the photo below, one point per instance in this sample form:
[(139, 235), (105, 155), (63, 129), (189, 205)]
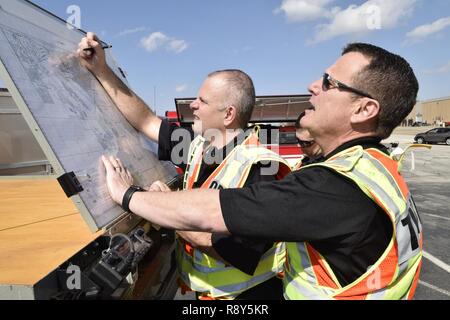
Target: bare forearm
[(135, 110), (195, 210), (132, 107)]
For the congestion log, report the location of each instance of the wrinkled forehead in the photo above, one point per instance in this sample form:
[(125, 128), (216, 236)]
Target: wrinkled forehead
[(214, 89), (216, 83), (348, 66)]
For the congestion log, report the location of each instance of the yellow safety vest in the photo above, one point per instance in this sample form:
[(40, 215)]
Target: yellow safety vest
[(297, 166), (197, 270), (396, 273)]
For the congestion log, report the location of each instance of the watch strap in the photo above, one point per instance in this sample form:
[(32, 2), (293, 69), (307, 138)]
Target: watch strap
[(128, 195)]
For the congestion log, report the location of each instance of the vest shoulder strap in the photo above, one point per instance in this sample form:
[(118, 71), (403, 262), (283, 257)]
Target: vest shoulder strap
[(344, 161), (234, 170)]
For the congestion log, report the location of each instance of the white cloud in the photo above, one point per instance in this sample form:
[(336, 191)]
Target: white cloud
[(177, 46), (154, 41), (440, 70), (157, 40), (130, 31), (181, 88), (355, 19), (425, 30), (304, 10), (371, 15)]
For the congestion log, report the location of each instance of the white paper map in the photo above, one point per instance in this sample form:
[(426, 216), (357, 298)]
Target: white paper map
[(70, 114)]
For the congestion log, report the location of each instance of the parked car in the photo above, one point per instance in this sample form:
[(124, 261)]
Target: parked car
[(434, 136)]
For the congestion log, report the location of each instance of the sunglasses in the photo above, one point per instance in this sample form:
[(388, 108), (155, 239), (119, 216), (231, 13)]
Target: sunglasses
[(304, 143), (328, 82)]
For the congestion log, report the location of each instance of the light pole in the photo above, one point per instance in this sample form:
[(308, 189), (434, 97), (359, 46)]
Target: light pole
[(154, 99)]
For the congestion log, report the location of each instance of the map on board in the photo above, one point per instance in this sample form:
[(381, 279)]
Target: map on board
[(72, 117)]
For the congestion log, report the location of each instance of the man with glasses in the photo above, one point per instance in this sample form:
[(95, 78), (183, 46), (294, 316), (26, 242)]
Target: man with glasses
[(350, 225)]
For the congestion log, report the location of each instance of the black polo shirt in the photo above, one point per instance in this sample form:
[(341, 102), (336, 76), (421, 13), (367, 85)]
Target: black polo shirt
[(319, 206), (241, 252)]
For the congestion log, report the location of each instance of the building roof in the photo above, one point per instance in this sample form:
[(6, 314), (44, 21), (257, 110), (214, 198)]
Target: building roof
[(435, 100), (282, 108)]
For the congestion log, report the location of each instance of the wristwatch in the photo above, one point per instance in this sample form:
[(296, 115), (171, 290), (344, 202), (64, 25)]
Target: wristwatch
[(128, 195)]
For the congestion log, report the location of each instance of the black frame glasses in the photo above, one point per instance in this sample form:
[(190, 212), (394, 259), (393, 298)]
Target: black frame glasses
[(304, 143), (329, 82)]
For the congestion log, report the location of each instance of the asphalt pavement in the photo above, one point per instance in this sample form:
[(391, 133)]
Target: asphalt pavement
[(427, 173)]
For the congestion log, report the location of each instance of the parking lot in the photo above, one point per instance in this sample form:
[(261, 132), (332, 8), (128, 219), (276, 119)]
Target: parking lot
[(428, 177)]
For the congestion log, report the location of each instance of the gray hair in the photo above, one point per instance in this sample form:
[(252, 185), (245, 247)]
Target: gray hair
[(241, 93)]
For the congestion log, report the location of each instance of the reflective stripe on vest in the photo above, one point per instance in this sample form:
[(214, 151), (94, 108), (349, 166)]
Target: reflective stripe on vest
[(226, 281), (195, 157), (395, 274), (299, 163), (203, 273)]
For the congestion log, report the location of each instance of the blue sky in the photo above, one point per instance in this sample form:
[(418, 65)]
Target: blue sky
[(282, 45)]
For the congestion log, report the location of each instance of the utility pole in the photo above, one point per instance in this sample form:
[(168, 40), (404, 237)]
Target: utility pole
[(154, 99)]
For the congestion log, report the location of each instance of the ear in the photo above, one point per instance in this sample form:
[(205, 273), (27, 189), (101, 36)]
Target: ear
[(230, 116), (366, 111)]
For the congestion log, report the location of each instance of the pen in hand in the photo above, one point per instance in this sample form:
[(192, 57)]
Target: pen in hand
[(92, 51)]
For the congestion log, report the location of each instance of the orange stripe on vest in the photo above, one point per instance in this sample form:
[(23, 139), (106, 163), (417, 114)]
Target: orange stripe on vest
[(392, 167), (319, 268)]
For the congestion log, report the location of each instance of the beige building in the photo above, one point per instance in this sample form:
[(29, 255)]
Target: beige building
[(414, 116), (433, 112), (436, 111)]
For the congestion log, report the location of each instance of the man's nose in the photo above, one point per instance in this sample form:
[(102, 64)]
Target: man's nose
[(315, 87), (194, 104)]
